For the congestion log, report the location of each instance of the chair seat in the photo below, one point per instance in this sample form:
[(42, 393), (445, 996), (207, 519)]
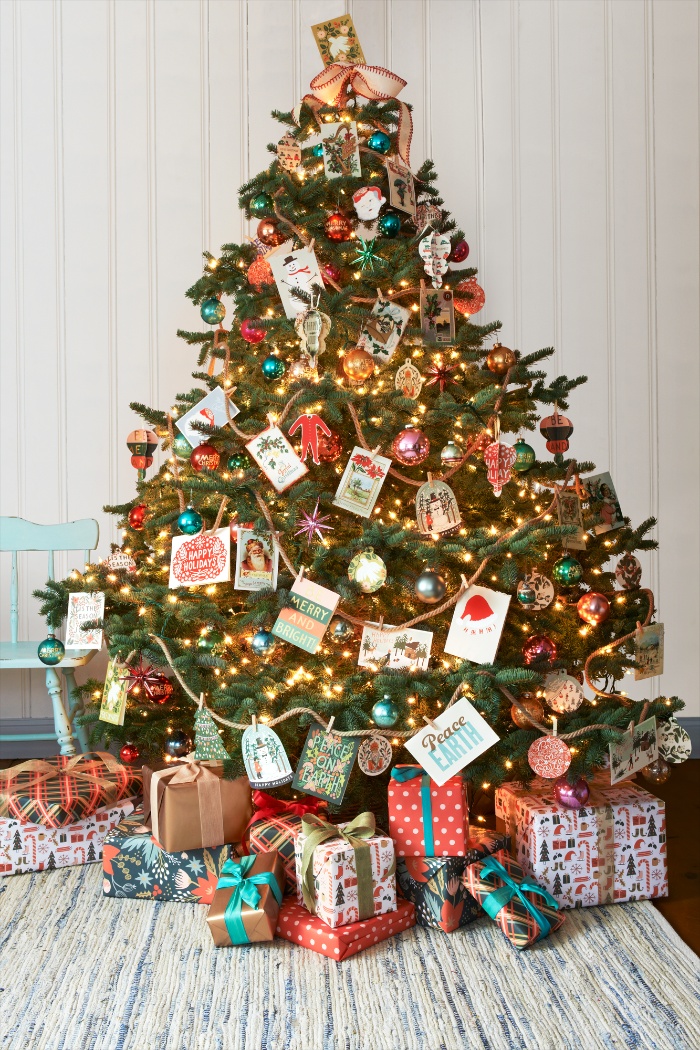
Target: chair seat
[(23, 654)]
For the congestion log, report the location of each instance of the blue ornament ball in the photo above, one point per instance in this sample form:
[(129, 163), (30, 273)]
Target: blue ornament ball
[(263, 643), (318, 150), (181, 447), (389, 224), (212, 311), (190, 522), (51, 651), (273, 367), (385, 713), (379, 142), (177, 743), (262, 205)]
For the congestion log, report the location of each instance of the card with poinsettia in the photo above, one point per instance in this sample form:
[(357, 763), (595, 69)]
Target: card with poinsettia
[(361, 482), (477, 623)]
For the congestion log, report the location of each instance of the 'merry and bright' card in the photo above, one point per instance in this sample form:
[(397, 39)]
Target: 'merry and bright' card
[(305, 620)]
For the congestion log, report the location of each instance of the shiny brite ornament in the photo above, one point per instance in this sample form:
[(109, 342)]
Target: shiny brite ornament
[(273, 367), (262, 204), (389, 224), (331, 271), (379, 142), (567, 571), (571, 796), (130, 754), (204, 457), (181, 447), (330, 448), (190, 522), (593, 608), (539, 649), (500, 359), (532, 706), (270, 233), (526, 594), (317, 150), (358, 365), (385, 713), (177, 743), (476, 297), (337, 227), (451, 454), (657, 772), (367, 570), (499, 460), (628, 572), (341, 631), (263, 643), (212, 311), (411, 446), (252, 331), (563, 693), (525, 456), (556, 429), (430, 587), (549, 757), (238, 461), (460, 252), (209, 639), (137, 517), (51, 651)]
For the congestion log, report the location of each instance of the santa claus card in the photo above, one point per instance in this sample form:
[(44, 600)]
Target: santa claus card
[(196, 560), (477, 624), (211, 412)]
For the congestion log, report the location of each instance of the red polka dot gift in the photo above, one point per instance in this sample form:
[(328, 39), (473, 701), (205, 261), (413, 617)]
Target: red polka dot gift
[(296, 925), (426, 820)]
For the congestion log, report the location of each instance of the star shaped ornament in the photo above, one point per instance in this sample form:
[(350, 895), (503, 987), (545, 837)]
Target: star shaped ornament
[(366, 256), (313, 525), (146, 683), (441, 374)]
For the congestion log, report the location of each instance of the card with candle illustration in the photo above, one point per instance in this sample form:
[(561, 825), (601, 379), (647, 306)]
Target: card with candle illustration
[(326, 764), (276, 458), (477, 623)]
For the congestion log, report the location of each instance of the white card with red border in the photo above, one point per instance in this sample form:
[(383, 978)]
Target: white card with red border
[(477, 623), (202, 559), (451, 741)]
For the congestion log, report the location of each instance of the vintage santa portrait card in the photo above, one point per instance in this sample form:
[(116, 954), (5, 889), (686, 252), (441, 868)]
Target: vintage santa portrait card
[(201, 559), (211, 412), (257, 558), (477, 624)]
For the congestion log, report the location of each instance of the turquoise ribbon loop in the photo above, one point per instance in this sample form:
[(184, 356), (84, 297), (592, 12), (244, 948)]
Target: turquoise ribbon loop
[(498, 898), (404, 773), (245, 891)]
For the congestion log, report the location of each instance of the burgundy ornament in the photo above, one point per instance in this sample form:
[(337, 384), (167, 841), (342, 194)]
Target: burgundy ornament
[(204, 457), (329, 448), (459, 252), (331, 271), (571, 796), (539, 649), (411, 446), (556, 429), (252, 332)]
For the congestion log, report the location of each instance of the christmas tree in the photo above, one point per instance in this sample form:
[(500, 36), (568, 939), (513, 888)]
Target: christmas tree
[(346, 325)]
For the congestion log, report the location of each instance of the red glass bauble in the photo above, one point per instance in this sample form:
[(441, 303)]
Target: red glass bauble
[(158, 687), (411, 446), (329, 448), (270, 233), (130, 754), (571, 796), (252, 332), (331, 271), (593, 608), (539, 649), (476, 300), (460, 252), (204, 457), (337, 227), (137, 517)]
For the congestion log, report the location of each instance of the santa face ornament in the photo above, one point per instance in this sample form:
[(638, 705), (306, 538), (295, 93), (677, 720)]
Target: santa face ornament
[(368, 201)]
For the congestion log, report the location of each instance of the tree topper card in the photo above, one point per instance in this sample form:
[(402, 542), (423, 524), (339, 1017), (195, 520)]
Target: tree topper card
[(326, 764), (399, 650), (477, 623), (402, 194), (257, 558), (361, 482), (276, 458), (84, 608), (295, 271), (451, 741), (649, 651), (637, 748), (201, 559), (305, 620), (337, 41), (381, 332), (211, 410)]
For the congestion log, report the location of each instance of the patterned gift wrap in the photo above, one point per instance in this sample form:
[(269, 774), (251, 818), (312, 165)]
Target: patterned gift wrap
[(278, 833), (426, 820), (34, 847), (523, 918), (434, 884), (613, 849), (59, 791), (296, 925), (135, 865)]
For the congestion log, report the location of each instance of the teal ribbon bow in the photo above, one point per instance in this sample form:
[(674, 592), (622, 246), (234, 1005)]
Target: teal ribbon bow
[(498, 899), (245, 891), (404, 773)]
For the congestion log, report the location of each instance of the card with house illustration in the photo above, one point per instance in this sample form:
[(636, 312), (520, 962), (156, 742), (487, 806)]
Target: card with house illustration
[(276, 458), (210, 412), (336, 40), (603, 503), (637, 748), (437, 316), (326, 764), (569, 513), (361, 482), (402, 192), (649, 651), (84, 608), (477, 623), (407, 649), (295, 271), (381, 332), (341, 154)]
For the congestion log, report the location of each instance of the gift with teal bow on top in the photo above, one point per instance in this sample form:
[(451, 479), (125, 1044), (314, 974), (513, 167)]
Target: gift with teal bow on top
[(427, 819), (247, 900)]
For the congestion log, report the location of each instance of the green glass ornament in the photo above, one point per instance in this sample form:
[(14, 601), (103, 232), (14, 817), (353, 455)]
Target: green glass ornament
[(262, 205), (212, 311), (318, 149), (263, 643), (526, 594), (238, 461), (389, 224), (51, 651), (190, 522), (525, 456), (209, 640), (567, 571), (451, 454), (385, 713), (273, 367), (379, 142), (181, 447)]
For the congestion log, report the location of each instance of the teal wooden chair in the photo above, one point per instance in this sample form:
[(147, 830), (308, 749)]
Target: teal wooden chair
[(16, 534)]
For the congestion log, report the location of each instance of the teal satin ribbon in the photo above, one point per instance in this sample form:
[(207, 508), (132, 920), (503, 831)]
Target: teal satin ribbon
[(500, 897), (404, 773), (245, 891)]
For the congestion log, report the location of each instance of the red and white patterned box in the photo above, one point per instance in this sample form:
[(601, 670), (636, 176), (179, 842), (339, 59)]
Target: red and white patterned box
[(296, 925), (613, 849), (446, 823)]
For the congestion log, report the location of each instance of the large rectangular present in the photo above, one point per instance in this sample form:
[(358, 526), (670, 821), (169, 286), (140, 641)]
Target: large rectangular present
[(34, 847), (134, 864), (189, 805), (426, 820), (247, 900), (296, 925), (275, 825), (59, 791), (612, 849), (346, 873), (435, 886)]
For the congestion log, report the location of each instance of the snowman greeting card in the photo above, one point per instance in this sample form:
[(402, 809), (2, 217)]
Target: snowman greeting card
[(477, 624), (294, 272)]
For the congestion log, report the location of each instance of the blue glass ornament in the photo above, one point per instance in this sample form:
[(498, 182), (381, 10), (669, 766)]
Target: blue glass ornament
[(190, 522), (51, 651), (181, 447), (385, 713), (262, 205), (177, 743), (273, 367), (263, 643), (379, 142), (238, 461), (318, 150), (525, 456), (212, 311), (389, 224)]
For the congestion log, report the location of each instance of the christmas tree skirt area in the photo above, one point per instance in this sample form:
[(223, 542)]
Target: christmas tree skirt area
[(78, 970)]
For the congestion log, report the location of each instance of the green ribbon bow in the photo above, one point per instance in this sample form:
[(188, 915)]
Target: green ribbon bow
[(404, 773), (245, 891), (498, 899), (317, 830)]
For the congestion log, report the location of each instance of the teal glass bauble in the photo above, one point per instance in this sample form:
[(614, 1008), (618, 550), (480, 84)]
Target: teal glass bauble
[(524, 456), (318, 150), (263, 643), (212, 311), (389, 224), (379, 142), (181, 447), (238, 461), (567, 571), (385, 713), (526, 594), (51, 651), (209, 640), (273, 367), (190, 522), (262, 205)]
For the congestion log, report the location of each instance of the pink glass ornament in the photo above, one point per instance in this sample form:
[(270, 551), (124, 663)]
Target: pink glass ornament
[(411, 446), (499, 459), (251, 331), (571, 796)]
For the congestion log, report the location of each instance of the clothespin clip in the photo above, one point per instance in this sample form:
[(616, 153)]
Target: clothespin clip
[(201, 701), (381, 623), (300, 575), (271, 420), (329, 727), (639, 629), (255, 723), (555, 722), (430, 479), (463, 578), (431, 723), (374, 451)]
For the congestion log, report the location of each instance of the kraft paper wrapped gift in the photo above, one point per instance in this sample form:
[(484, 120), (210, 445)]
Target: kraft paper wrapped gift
[(426, 820), (296, 925), (189, 805), (247, 900), (35, 847), (275, 824), (612, 849), (346, 873)]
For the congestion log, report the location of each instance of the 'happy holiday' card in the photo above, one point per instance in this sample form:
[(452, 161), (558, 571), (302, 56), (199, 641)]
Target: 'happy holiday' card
[(305, 620), (361, 482), (210, 411), (276, 458), (201, 559), (451, 741), (477, 623), (84, 608)]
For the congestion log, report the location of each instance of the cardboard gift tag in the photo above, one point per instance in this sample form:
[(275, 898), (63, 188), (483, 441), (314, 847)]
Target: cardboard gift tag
[(201, 559), (276, 458), (325, 764), (477, 623), (210, 411), (305, 620), (257, 559), (451, 741), (113, 706), (649, 651), (437, 316), (382, 331), (638, 747), (361, 482), (408, 649), (84, 608)]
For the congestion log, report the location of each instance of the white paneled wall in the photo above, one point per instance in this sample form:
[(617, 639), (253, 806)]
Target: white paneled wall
[(566, 137)]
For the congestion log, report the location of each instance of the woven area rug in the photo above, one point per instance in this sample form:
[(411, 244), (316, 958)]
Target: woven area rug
[(82, 972)]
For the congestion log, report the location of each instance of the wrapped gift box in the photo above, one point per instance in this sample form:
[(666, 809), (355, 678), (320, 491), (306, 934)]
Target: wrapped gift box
[(525, 916), (296, 925), (344, 880), (55, 792), (189, 806), (135, 865), (247, 901), (613, 849), (435, 886), (426, 820), (276, 825), (34, 847)]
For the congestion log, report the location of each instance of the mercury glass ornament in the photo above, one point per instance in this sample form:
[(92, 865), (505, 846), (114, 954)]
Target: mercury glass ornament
[(190, 522), (411, 446), (341, 631), (526, 594), (238, 461), (525, 456), (270, 233), (430, 587), (567, 570), (330, 447), (379, 142), (385, 713), (212, 311), (532, 706), (204, 457), (51, 651), (593, 608), (177, 743), (657, 772), (263, 643), (451, 454), (209, 640), (500, 359), (251, 331), (273, 367), (571, 796)]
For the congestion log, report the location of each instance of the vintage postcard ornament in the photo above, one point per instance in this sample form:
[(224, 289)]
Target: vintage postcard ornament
[(116, 687), (434, 249), (375, 755), (436, 508), (451, 741), (326, 764), (402, 193), (569, 513), (408, 380), (341, 155), (628, 572), (288, 152), (257, 560), (361, 482), (407, 649), (210, 411), (477, 623), (603, 503), (638, 748), (649, 651), (276, 458), (337, 41), (304, 621), (295, 271), (84, 608), (265, 759), (382, 331), (437, 316), (201, 559)]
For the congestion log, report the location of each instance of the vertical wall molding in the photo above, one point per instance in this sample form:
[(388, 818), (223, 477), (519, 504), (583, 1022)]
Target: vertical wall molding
[(610, 234), (479, 143), (112, 285), (152, 196), (557, 326), (515, 147), (206, 126)]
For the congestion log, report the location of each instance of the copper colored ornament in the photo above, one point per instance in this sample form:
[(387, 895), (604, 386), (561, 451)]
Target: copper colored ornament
[(329, 448), (337, 227), (556, 429), (204, 457), (533, 708), (260, 273), (476, 300), (549, 757), (539, 649), (593, 608), (358, 365), (410, 446), (270, 233), (500, 359)]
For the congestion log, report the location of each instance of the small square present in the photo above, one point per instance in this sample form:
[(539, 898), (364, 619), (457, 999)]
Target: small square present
[(426, 820), (435, 886), (346, 873), (612, 849), (296, 925), (525, 911), (276, 824), (247, 901), (189, 805)]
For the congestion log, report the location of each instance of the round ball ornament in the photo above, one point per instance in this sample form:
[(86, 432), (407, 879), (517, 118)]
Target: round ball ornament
[(212, 311), (563, 693), (181, 447), (524, 456), (538, 649), (190, 522), (567, 571), (273, 367), (459, 253), (341, 631), (534, 709), (204, 457), (358, 365), (500, 359), (259, 273), (238, 461), (389, 224), (137, 517), (337, 227), (130, 754), (317, 150), (628, 572), (252, 332), (51, 651), (158, 688), (261, 205), (379, 142), (330, 447), (374, 755), (367, 570), (209, 639), (525, 594), (331, 271), (430, 587), (593, 608), (476, 297), (263, 643), (549, 757), (177, 743), (451, 454), (543, 588), (270, 233), (571, 796), (385, 713), (411, 446), (657, 772)]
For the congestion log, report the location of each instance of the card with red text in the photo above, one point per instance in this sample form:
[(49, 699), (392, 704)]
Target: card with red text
[(197, 560)]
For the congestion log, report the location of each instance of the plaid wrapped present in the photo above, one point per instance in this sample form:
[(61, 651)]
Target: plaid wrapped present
[(59, 791), (275, 826), (525, 912), (296, 925)]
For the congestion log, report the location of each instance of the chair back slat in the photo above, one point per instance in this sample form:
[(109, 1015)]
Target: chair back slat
[(50, 568), (14, 601)]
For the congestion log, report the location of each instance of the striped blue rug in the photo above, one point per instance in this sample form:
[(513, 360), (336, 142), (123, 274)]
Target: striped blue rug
[(82, 972)]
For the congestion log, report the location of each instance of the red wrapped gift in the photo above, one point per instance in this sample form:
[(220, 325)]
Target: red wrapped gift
[(297, 925), (426, 820), (275, 826)]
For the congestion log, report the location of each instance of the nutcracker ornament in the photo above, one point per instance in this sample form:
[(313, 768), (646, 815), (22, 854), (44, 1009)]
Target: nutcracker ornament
[(142, 444), (557, 429)]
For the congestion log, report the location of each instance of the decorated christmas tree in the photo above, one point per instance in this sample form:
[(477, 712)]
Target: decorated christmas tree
[(349, 522)]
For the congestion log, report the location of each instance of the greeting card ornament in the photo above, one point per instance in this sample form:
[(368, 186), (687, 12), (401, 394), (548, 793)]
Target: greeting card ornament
[(477, 623), (476, 297), (264, 757), (649, 651), (361, 482), (383, 329), (374, 755), (436, 508), (543, 588), (499, 459), (337, 40), (325, 764), (84, 608), (120, 561), (288, 152), (426, 215), (604, 504), (437, 318), (556, 429), (636, 749), (142, 444), (367, 570), (402, 193), (304, 621), (675, 745), (257, 559), (408, 380), (113, 706), (276, 458), (569, 514), (210, 412), (563, 693), (199, 560), (341, 156), (411, 446), (408, 649), (628, 572), (451, 741), (434, 249), (368, 201), (295, 272), (549, 757), (312, 524), (207, 741)]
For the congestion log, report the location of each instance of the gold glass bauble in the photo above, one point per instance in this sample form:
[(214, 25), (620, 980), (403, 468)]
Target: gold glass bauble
[(500, 359), (533, 708), (358, 365)]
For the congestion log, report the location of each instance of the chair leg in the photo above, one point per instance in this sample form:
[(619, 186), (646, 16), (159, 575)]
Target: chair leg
[(75, 707), (64, 734)]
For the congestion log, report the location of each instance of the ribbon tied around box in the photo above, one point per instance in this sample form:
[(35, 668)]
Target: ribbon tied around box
[(237, 875), (267, 807), (316, 831), (403, 773), (208, 796), (500, 897)]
